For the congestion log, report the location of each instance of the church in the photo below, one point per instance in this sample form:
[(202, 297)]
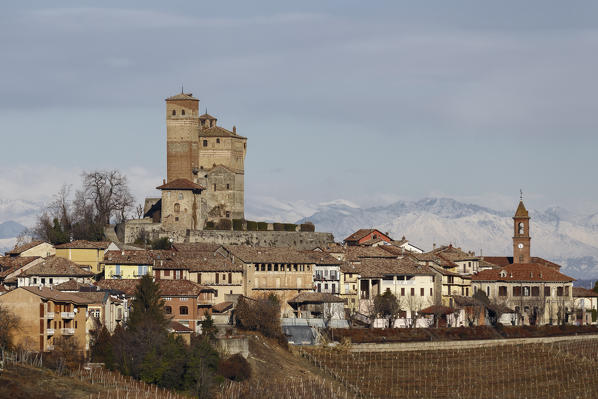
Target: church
[(204, 169), (531, 286)]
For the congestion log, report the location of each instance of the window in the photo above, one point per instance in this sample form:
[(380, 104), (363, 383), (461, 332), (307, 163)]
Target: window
[(567, 291), (177, 207), (502, 290), (516, 291), (166, 273), (167, 310), (182, 112), (488, 290), (180, 196), (431, 292), (525, 291), (205, 143), (34, 280), (535, 291), (214, 186), (402, 291), (217, 141), (546, 291), (51, 281), (43, 281), (174, 112), (227, 214), (183, 310), (559, 291), (227, 186), (412, 291), (421, 292)]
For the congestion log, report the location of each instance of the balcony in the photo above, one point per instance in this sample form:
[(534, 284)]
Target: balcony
[(50, 315), (67, 315), (68, 331), (49, 331)]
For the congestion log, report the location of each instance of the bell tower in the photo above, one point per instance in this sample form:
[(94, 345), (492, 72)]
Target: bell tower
[(521, 237), (182, 126)]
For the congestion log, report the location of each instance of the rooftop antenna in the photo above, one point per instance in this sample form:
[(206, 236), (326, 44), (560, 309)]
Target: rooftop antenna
[(182, 89), (520, 194)]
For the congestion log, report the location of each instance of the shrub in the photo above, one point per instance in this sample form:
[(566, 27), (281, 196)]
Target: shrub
[(235, 368), (238, 224), (308, 226), (209, 226), (224, 224), (251, 226), (278, 227), (262, 226), (290, 227), (161, 243)]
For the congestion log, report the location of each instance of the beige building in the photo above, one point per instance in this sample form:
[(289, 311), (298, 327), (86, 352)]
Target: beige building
[(53, 271), (34, 248), (12, 267), (82, 252), (586, 306), (45, 315)]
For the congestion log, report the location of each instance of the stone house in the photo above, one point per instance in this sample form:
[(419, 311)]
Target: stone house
[(45, 315), (33, 249), (183, 206), (349, 284), (186, 302), (52, 271), (82, 252)]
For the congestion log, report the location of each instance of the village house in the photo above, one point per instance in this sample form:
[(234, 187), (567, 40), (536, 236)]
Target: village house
[(327, 274), (318, 305), (349, 284), (127, 264), (367, 237), (33, 249), (82, 252), (467, 262), (46, 315), (52, 271), (586, 305), (11, 267)]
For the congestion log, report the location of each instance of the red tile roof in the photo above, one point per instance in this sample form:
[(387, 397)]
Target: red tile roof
[(532, 272), (316, 297), (180, 184), (134, 257), (22, 248), (359, 234), (584, 293), (84, 244), (55, 266), (168, 288), (379, 267), (10, 264), (521, 212)]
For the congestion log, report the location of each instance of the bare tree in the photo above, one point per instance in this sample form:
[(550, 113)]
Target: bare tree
[(414, 305), (139, 211), (109, 193), (8, 324)]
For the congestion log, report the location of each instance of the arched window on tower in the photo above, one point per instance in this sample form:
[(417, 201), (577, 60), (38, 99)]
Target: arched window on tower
[(182, 112), (521, 229), (177, 207), (205, 143)]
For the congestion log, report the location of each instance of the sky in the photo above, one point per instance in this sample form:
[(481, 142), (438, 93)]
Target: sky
[(370, 102)]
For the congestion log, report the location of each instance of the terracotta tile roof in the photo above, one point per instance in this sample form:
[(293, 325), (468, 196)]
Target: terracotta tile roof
[(56, 266), (222, 307), (84, 244), (437, 309), (181, 288), (379, 267), (58, 296), (278, 255), (508, 260), (136, 257), (180, 184), (580, 292), (393, 250), (439, 259), (217, 131), (355, 253), (175, 326), (531, 272), (207, 116), (372, 241), (521, 212), (347, 267), (316, 297), (208, 263), (359, 234), (445, 272), (74, 285), (195, 247), (182, 96), (10, 264), (126, 286), (453, 254), (22, 248)]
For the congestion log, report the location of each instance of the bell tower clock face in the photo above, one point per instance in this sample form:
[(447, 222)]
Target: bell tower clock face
[(520, 246)]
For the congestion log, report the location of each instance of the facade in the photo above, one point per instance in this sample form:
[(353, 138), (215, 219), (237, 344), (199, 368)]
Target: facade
[(316, 305), (11, 267), (127, 264), (183, 206), (349, 284), (586, 306), (327, 275), (186, 302), (521, 235), (46, 315), (82, 252), (367, 237), (53, 271)]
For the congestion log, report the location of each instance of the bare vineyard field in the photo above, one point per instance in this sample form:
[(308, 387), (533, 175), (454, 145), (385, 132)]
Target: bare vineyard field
[(545, 370)]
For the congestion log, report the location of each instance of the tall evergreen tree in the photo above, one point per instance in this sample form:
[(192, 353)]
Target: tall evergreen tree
[(148, 307)]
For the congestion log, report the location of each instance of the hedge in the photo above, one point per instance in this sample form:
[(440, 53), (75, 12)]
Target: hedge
[(309, 226), (262, 226), (290, 227), (238, 224), (251, 225), (278, 227)]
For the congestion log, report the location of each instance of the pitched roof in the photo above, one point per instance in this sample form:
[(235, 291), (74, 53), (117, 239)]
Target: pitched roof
[(437, 309), (134, 257), (207, 116), (10, 264), (521, 212), (181, 288), (453, 253), (356, 253), (84, 244), (278, 255), (508, 260), (195, 247), (217, 131), (311, 297), (584, 293), (180, 184), (58, 296), (531, 272), (56, 266), (72, 285), (379, 267), (359, 234), (175, 326), (222, 307), (209, 262), (22, 248), (182, 96), (126, 286)]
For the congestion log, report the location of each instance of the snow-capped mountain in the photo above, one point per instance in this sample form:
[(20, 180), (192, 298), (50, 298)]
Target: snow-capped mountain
[(20, 211), (557, 234)]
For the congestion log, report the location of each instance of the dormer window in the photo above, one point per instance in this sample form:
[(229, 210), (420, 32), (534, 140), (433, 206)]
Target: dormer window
[(503, 274)]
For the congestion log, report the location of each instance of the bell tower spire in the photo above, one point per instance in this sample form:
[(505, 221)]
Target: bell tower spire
[(521, 236)]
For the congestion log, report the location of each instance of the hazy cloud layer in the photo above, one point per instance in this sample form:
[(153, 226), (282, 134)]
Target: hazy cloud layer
[(368, 102)]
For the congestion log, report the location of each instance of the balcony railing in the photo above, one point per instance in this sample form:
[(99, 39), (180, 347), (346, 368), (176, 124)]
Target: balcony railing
[(68, 331), (67, 315), (50, 315), (49, 331)]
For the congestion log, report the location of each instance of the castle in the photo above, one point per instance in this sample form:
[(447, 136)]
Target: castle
[(204, 186)]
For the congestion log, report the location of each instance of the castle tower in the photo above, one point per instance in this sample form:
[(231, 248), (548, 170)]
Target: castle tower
[(182, 125), (521, 237)]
